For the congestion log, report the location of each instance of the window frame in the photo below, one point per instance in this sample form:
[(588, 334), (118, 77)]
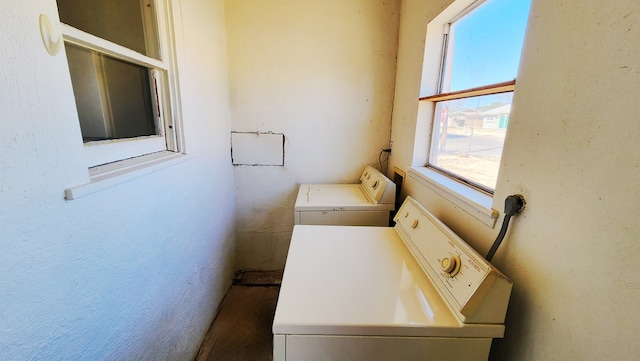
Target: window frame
[(498, 88), (163, 74), (471, 200), (435, 72)]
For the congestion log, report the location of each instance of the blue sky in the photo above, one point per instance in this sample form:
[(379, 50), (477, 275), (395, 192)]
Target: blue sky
[(488, 42)]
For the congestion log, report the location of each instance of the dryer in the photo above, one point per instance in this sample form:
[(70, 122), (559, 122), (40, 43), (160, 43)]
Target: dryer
[(368, 203), (412, 292)]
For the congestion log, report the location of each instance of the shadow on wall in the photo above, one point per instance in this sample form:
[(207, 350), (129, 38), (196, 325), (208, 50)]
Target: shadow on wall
[(264, 227)]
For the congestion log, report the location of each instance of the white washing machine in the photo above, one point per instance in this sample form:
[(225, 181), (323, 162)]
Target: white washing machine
[(368, 203), (412, 292)]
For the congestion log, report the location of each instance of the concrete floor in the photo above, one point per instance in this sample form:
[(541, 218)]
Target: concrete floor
[(242, 329)]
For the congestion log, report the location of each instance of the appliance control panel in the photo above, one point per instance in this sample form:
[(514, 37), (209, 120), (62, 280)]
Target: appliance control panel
[(377, 186), (465, 278)]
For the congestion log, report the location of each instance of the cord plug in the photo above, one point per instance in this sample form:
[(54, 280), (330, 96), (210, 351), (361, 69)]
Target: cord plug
[(513, 204)]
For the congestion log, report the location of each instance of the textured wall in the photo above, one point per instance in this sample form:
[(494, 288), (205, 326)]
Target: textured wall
[(322, 73), (133, 272), (572, 150)]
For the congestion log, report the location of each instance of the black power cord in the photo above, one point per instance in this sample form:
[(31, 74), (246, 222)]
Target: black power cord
[(380, 161), (512, 205)]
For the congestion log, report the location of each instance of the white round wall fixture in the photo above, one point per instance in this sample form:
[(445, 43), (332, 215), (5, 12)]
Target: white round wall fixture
[(51, 38)]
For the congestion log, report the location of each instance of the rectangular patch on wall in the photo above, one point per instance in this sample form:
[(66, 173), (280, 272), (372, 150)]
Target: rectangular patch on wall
[(257, 148)]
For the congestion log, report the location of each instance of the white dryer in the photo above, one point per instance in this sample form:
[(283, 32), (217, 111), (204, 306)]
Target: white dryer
[(412, 292), (368, 203)]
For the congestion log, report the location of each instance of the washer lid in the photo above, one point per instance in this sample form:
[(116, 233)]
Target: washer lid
[(362, 281), (335, 197)]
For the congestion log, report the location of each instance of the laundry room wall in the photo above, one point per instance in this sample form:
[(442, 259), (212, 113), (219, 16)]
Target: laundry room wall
[(322, 73), (572, 150), (132, 272)]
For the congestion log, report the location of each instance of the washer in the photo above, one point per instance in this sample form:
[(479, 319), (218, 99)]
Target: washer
[(368, 203), (412, 292)]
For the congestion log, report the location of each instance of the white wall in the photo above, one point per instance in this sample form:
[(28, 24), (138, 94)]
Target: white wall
[(322, 73), (133, 272), (572, 150)]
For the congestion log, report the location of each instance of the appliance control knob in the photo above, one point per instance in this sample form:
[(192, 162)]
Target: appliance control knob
[(450, 265), (375, 184), (414, 223)]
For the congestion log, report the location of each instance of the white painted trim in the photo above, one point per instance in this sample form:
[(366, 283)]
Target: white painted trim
[(472, 201), (108, 151), (89, 41), (109, 175), (168, 32)]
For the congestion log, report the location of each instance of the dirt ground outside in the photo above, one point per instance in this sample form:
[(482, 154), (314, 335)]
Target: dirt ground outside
[(473, 153)]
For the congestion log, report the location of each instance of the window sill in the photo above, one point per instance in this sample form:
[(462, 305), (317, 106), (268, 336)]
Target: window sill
[(109, 175), (470, 200)]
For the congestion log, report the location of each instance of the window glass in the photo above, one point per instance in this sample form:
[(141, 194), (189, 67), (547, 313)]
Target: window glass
[(113, 97), (469, 135), (129, 23), (485, 45)]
